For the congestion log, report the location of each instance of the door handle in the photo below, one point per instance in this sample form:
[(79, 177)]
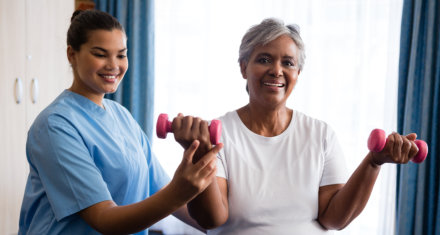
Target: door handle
[(18, 90)]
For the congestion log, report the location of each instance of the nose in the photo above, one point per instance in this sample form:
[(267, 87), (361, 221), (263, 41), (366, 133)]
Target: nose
[(276, 70), (112, 64)]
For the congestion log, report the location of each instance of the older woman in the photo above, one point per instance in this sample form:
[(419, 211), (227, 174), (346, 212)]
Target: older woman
[(281, 171)]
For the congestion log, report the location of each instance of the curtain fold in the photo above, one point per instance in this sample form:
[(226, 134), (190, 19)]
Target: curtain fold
[(136, 92), (418, 197)]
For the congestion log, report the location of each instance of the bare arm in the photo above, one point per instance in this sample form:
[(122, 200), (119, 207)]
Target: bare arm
[(183, 215), (341, 204), (210, 208), (188, 181)]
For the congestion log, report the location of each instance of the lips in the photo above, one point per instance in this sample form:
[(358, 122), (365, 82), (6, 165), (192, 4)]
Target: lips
[(273, 84), (109, 77)]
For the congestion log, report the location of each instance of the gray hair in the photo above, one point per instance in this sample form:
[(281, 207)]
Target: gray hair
[(267, 31)]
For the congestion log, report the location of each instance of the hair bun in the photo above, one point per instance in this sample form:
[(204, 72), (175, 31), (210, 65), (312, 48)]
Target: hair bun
[(75, 13)]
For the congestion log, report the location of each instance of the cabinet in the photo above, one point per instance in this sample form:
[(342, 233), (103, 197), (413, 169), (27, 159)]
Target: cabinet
[(33, 70)]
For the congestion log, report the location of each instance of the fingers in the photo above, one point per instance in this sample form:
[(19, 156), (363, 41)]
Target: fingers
[(397, 149), (413, 150), (177, 122), (189, 128), (208, 162), (401, 148), (411, 136), (406, 147), (189, 153), (204, 128), (194, 178)]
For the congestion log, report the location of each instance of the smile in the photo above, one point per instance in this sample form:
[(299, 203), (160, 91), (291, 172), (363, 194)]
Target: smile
[(273, 84), (109, 77)]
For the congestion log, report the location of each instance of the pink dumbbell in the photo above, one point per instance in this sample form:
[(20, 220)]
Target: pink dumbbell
[(377, 140), (163, 126)]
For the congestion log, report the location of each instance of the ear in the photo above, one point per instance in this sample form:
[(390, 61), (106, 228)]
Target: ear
[(71, 55), (243, 67), (299, 71)]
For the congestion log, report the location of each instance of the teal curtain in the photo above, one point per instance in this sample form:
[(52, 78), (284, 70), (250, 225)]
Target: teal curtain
[(418, 196), (136, 92)]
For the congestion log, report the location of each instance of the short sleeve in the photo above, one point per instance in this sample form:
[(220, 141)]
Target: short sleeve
[(335, 169), (66, 169)]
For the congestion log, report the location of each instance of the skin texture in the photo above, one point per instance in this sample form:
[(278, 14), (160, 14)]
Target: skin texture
[(98, 68), (271, 75), (100, 64)]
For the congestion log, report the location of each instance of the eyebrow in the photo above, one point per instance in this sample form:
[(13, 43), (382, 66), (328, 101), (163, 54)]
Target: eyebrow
[(104, 50), (269, 55)]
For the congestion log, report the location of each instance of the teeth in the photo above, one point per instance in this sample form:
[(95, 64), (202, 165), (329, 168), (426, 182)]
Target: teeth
[(109, 76), (273, 84)]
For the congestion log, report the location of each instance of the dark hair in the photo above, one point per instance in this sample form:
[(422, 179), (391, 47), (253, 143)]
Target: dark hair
[(84, 21)]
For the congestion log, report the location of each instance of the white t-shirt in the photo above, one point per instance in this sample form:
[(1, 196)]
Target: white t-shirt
[(273, 182)]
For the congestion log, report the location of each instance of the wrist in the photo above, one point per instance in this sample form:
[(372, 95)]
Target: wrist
[(372, 160), (178, 196)]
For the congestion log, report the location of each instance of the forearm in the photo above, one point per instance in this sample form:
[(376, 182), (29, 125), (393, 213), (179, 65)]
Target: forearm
[(138, 216), (183, 215), (209, 208), (351, 199)]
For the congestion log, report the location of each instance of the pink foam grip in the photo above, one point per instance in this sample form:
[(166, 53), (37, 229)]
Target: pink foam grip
[(423, 151), (215, 131), (377, 141), (163, 126)]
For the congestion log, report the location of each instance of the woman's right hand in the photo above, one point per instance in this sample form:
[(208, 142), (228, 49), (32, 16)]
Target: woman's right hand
[(186, 129), (190, 179)]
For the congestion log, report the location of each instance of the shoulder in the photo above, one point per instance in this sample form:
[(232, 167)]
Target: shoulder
[(310, 124), (305, 119), (229, 118), (230, 122), (60, 109)]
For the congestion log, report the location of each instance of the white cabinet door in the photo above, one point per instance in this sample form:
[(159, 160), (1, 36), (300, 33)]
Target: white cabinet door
[(32, 53), (13, 115), (47, 66)]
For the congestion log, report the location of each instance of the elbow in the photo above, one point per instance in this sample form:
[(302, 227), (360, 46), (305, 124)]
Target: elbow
[(210, 221), (211, 224), (333, 224)]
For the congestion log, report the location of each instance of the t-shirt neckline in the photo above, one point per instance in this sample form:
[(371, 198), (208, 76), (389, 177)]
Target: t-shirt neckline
[(256, 136)]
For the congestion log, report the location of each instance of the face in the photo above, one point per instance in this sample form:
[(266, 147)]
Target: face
[(272, 72), (100, 64)]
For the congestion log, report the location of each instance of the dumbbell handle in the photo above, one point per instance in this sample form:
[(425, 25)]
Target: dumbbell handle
[(378, 139), (164, 126)]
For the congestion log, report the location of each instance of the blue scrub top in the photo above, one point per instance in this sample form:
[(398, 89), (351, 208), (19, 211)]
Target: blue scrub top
[(81, 154)]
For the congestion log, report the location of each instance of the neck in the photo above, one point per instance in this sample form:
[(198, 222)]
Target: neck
[(265, 122), (88, 93)]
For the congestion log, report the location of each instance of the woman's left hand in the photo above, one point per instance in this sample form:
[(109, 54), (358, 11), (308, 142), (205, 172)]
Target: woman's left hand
[(398, 149)]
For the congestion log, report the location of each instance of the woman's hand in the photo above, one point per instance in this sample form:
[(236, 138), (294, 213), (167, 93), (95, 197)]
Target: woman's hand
[(186, 129), (398, 149), (190, 178)]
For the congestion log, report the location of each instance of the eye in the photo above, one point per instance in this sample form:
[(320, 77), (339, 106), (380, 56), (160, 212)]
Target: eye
[(263, 60), (122, 56), (99, 55), (289, 63)]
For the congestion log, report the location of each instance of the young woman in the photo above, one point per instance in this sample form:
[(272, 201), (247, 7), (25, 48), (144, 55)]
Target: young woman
[(91, 166)]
